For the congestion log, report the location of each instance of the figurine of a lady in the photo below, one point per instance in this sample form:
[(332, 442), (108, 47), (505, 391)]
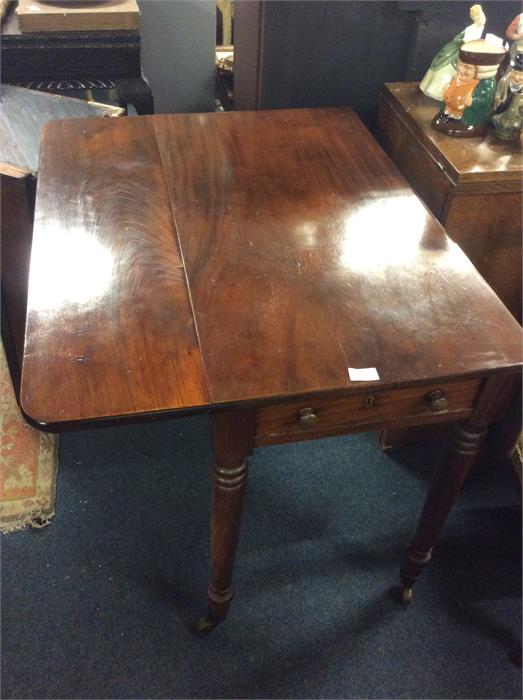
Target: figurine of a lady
[(444, 64)]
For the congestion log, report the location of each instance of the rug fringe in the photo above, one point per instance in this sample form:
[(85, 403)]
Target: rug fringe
[(28, 520)]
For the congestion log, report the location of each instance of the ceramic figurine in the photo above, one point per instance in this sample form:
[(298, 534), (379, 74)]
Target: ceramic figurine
[(469, 98), (507, 124), (444, 64)]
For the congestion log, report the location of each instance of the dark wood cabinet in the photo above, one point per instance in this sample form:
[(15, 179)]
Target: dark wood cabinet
[(17, 187)]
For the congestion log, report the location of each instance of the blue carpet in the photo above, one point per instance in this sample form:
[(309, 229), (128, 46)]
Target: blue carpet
[(102, 603)]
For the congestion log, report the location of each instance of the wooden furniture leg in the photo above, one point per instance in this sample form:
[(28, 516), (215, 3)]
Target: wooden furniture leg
[(456, 462), (233, 442)]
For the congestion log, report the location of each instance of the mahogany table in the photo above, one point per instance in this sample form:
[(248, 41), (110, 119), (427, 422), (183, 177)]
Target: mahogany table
[(240, 263)]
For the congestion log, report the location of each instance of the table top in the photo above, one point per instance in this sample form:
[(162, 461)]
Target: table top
[(467, 160), (191, 262)]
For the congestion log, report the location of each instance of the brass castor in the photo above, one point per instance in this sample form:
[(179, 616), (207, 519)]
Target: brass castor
[(405, 594), (207, 624)]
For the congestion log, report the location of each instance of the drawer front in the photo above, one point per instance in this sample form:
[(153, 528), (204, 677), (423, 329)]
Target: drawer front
[(299, 419)]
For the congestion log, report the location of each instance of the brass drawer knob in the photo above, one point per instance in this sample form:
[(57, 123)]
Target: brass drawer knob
[(437, 401), (307, 418)]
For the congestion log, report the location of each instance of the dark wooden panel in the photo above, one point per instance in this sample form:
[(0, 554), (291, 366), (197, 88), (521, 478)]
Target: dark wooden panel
[(248, 54), (110, 327), (16, 224), (307, 252)]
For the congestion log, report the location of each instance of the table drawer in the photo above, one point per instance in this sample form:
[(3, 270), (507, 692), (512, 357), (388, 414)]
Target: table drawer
[(314, 417)]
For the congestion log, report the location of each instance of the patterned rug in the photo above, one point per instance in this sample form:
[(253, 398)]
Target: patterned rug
[(28, 464)]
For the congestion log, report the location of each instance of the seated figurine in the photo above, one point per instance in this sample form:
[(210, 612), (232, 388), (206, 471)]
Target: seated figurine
[(469, 98), (444, 64)]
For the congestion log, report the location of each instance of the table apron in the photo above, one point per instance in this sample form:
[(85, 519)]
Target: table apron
[(312, 418)]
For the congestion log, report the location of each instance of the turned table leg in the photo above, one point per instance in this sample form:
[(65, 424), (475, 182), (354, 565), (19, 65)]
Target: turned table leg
[(233, 441), (454, 467)]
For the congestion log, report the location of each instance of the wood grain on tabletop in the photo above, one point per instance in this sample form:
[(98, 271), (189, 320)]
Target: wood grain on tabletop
[(470, 160), (110, 330), (307, 252)]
